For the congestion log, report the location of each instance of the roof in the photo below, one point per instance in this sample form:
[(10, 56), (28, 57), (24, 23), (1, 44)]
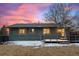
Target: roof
[(34, 25)]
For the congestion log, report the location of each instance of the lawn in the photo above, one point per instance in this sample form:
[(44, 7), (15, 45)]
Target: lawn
[(13, 50)]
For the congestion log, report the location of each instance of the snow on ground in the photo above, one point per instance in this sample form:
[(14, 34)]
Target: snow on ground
[(38, 43), (25, 43)]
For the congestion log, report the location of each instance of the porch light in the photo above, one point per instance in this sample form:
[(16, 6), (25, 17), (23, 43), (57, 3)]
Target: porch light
[(33, 30)]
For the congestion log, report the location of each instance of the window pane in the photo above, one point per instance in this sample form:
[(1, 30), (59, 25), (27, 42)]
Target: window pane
[(61, 31), (21, 31), (46, 31)]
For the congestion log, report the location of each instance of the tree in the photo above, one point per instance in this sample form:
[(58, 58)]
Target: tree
[(60, 14)]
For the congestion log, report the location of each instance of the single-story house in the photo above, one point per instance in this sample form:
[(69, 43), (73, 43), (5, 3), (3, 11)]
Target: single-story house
[(40, 31)]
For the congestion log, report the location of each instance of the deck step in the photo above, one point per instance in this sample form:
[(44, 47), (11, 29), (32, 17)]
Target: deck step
[(54, 40)]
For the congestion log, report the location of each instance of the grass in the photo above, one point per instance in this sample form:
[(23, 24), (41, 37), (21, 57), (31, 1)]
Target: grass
[(13, 50)]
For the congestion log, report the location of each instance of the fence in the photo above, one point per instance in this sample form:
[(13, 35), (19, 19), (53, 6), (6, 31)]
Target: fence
[(73, 37)]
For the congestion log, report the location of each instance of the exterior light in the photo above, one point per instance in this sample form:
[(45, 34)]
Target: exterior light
[(33, 30)]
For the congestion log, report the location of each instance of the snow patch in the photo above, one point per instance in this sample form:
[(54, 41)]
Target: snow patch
[(37, 44), (25, 43)]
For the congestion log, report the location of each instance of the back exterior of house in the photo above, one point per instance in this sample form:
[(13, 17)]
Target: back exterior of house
[(29, 32), (36, 32)]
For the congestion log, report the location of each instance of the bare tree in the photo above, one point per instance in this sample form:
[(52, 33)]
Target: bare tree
[(60, 14)]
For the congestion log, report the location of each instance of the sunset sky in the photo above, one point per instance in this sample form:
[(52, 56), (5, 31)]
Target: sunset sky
[(12, 13)]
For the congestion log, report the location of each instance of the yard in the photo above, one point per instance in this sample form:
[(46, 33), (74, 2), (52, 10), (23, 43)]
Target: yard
[(17, 50)]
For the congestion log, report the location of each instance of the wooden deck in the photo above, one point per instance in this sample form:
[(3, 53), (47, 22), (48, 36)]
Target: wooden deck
[(55, 41)]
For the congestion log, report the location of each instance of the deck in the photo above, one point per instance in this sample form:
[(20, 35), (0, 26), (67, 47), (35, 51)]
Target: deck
[(55, 41)]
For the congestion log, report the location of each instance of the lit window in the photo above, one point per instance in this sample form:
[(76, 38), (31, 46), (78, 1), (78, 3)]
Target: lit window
[(61, 31), (7, 29), (33, 30), (21, 31), (46, 31)]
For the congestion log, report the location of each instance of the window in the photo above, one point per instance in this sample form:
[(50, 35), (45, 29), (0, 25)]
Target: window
[(21, 31), (46, 31), (33, 30), (61, 31), (7, 29)]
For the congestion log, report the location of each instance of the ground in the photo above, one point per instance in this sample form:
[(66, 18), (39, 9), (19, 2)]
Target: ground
[(14, 50)]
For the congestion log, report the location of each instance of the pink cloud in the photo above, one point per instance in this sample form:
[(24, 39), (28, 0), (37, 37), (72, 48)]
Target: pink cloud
[(28, 8), (25, 13)]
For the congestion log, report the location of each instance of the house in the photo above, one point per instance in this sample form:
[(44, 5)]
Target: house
[(4, 34), (74, 35), (40, 31)]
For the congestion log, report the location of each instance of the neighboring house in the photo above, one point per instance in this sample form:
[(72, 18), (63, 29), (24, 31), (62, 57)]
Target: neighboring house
[(4, 34), (74, 35), (29, 32)]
